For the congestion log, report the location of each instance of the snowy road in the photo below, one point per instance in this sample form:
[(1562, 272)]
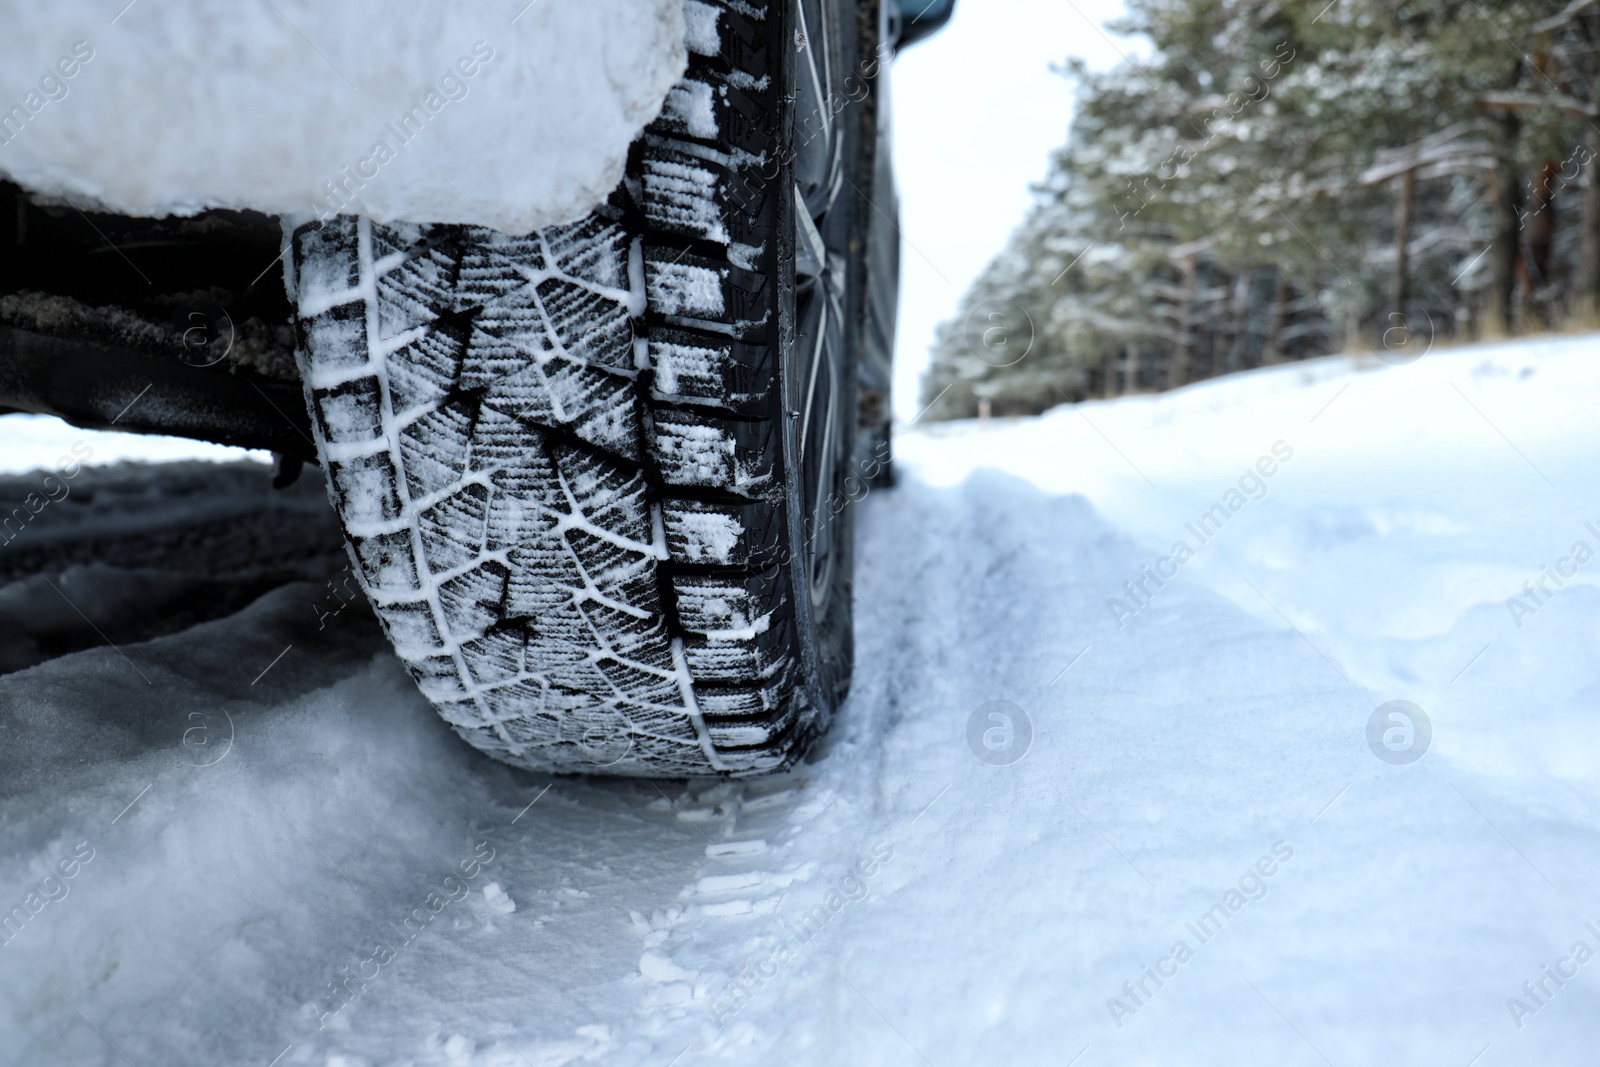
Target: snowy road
[(1199, 856)]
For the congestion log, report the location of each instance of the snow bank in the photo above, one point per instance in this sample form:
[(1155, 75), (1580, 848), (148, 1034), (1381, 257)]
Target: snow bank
[(510, 114), (286, 839)]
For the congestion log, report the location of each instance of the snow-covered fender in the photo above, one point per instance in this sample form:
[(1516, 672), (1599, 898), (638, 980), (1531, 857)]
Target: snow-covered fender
[(514, 113)]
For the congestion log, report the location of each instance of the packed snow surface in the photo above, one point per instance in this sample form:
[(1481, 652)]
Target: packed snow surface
[(508, 113), (1205, 853)]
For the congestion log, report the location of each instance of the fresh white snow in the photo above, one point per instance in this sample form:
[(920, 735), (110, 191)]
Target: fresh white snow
[(305, 864), (509, 114)]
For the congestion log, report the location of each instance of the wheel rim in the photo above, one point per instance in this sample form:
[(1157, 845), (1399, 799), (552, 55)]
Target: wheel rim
[(820, 288)]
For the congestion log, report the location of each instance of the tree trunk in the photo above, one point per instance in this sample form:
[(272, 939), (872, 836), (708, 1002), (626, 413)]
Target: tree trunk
[(1586, 286), (1402, 239), (1215, 309), (1130, 377), (1238, 322), (1353, 341), (1178, 373), (1503, 251), (1586, 295), (1541, 235), (1108, 376), (1270, 351)]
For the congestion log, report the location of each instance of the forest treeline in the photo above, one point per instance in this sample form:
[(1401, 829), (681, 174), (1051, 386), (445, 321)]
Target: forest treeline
[(1276, 180)]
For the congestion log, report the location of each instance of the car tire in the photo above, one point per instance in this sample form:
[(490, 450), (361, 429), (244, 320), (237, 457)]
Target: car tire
[(595, 479)]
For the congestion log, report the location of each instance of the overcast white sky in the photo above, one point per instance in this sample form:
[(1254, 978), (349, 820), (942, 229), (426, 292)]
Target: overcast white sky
[(977, 111)]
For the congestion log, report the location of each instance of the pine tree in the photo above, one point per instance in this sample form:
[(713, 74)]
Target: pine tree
[(1279, 179)]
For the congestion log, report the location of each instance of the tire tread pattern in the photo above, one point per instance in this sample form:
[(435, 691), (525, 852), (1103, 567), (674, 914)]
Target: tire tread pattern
[(558, 457)]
